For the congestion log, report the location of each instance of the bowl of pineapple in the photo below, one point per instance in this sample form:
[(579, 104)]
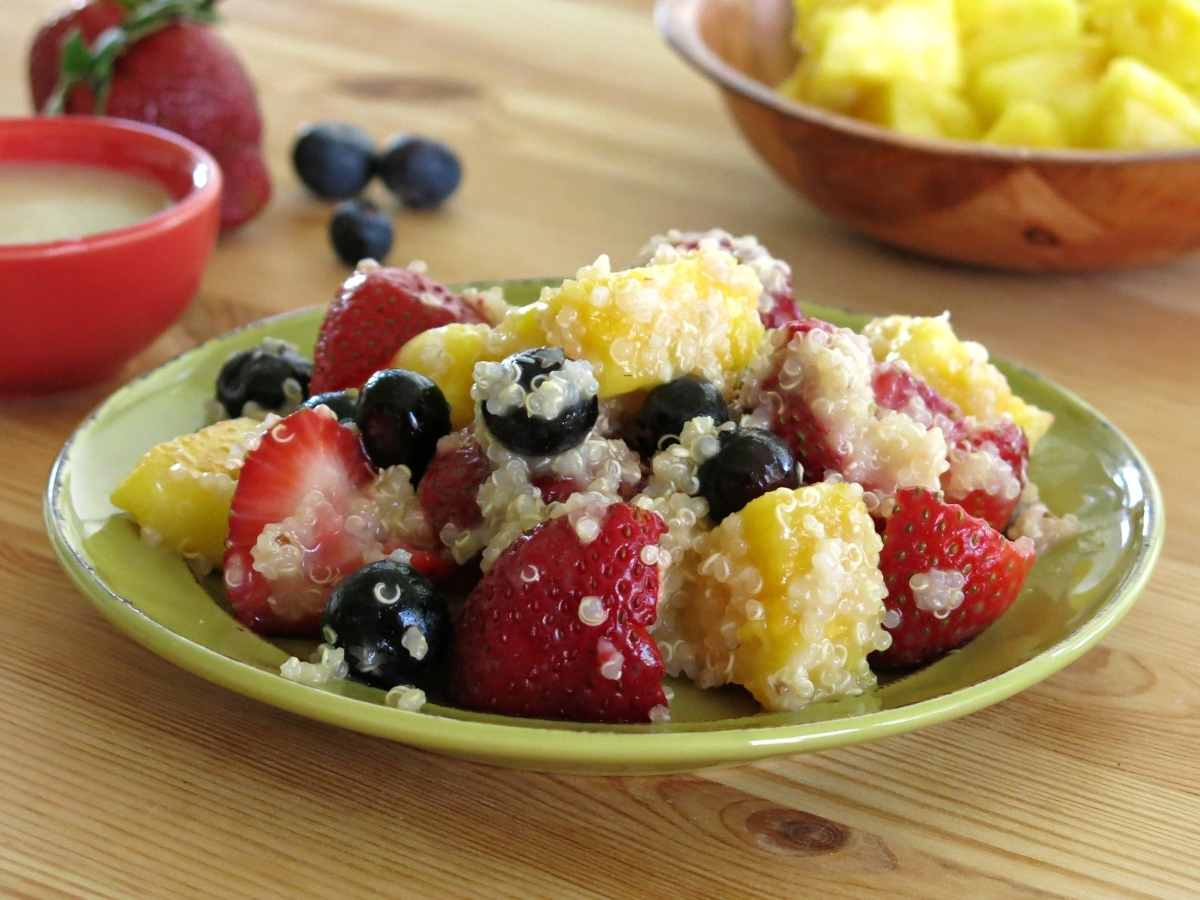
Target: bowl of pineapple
[(1033, 135)]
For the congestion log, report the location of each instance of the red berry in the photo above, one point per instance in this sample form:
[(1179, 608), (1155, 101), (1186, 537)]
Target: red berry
[(184, 78), (897, 388), (310, 482), (953, 552), (451, 482), (997, 503), (375, 313), (557, 628)]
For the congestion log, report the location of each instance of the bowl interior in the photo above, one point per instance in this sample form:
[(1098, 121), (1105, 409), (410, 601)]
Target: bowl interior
[(180, 167), (1074, 595)]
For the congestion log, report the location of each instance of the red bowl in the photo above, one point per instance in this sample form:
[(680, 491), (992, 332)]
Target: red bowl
[(73, 311)]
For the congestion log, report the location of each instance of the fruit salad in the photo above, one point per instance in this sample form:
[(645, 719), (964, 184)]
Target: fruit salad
[(1111, 74), (663, 471)]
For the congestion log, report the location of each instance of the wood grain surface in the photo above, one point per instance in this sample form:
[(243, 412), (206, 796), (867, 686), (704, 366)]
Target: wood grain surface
[(122, 776)]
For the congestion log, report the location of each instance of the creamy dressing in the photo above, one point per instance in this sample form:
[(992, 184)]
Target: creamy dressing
[(42, 202)]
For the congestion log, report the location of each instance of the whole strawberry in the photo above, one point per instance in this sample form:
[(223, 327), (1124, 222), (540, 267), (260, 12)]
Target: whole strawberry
[(157, 61), (949, 576), (375, 313), (557, 628)]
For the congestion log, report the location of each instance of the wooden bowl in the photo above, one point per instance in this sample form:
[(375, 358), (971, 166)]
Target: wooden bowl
[(1010, 208)]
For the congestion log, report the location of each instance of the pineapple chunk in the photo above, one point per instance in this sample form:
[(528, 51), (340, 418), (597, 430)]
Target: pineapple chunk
[(447, 356), (181, 490), (1062, 79), (1137, 108), (685, 313), (850, 51), (1164, 34), (912, 109), (788, 598), (958, 370), (994, 30), (1028, 124)]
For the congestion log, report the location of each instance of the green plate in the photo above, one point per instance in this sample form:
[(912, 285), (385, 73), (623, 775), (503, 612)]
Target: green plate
[(1076, 593)]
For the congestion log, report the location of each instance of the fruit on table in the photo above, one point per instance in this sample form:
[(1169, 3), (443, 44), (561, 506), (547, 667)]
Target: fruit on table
[(391, 622), (334, 160), (401, 416), (451, 483), (377, 310), (948, 575), (421, 172), (1115, 74), (669, 407), (750, 463), (159, 63), (360, 230), (558, 628), (958, 370), (537, 402), (272, 377), (788, 599), (181, 490)]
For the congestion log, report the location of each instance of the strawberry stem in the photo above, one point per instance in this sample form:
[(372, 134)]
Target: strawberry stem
[(93, 66)]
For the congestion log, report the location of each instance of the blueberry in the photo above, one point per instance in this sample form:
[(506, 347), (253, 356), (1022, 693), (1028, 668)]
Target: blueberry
[(343, 403), (750, 463), (670, 406), (334, 160), (273, 376), (392, 623), (401, 416), (544, 415), (360, 230), (423, 173)]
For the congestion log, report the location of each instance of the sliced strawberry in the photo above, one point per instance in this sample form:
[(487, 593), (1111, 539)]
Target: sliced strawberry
[(556, 488), (949, 576), (376, 312), (308, 511), (988, 470), (557, 628), (896, 387), (451, 483)]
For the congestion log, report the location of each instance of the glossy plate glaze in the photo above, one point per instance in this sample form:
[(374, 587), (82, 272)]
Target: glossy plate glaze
[(1075, 594)]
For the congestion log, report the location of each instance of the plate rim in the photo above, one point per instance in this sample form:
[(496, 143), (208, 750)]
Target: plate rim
[(584, 751)]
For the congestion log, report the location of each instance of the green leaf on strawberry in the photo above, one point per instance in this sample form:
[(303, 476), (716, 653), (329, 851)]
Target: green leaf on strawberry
[(93, 66)]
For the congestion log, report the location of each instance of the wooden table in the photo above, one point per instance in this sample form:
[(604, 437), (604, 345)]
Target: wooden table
[(121, 775)]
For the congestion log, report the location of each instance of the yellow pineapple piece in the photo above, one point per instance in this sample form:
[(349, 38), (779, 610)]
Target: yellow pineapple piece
[(684, 313), (849, 51), (1028, 124), (787, 599), (447, 356), (1062, 79), (181, 490), (1164, 34), (913, 109), (958, 370), (994, 30), (1137, 108)]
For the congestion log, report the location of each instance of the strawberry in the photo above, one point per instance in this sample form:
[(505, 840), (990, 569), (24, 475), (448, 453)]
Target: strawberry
[(896, 387), (949, 576), (158, 62), (999, 454), (451, 482), (557, 628), (556, 488), (308, 511), (375, 313)]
